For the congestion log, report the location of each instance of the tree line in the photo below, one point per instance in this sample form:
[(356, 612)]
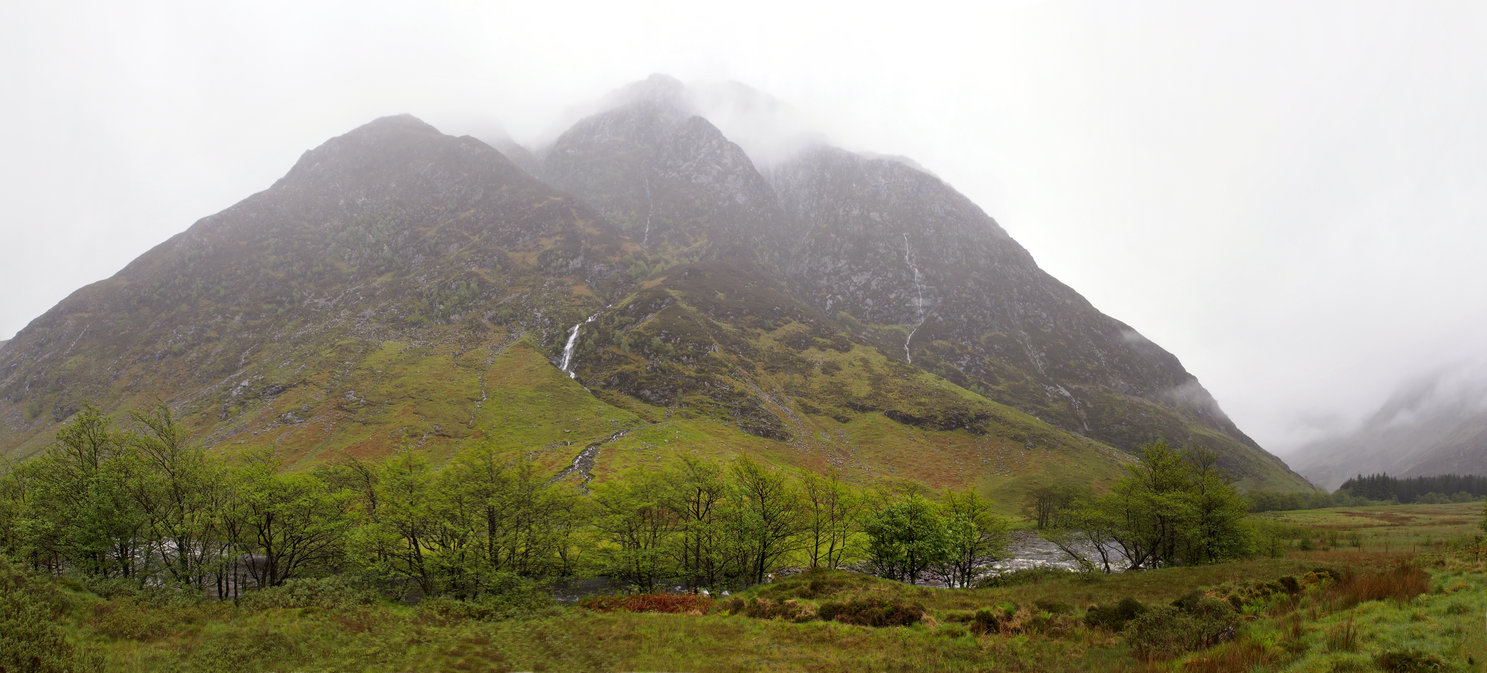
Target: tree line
[(1432, 490), (143, 503)]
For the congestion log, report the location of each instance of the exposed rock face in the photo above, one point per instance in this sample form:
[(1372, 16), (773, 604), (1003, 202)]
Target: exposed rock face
[(890, 244), (792, 306)]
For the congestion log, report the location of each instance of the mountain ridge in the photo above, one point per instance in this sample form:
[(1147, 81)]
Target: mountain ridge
[(271, 322)]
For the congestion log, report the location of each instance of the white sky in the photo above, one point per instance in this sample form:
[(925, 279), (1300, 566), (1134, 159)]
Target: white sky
[(1289, 196)]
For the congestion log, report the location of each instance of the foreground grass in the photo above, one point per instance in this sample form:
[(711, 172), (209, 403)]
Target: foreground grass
[(1369, 611)]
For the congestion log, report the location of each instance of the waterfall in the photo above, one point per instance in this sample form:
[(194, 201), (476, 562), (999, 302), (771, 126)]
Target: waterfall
[(650, 207), (567, 366), (918, 296)]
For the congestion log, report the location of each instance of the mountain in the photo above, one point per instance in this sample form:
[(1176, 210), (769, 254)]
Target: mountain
[(639, 287), (1432, 426)]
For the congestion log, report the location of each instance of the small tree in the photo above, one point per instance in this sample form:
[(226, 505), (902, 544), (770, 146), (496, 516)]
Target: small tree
[(698, 495), (767, 517), (831, 511), (973, 536), (905, 537), (637, 525), (290, 522), (1045, 503)]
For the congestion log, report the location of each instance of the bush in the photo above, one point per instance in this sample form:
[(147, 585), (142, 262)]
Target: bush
[(1114, 617), (509, 596), (336, 592), (30, 637), (872, 612), (668, 603), (1167, 631)]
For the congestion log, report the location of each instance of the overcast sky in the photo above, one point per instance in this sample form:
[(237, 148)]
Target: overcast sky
[(1288, 196)]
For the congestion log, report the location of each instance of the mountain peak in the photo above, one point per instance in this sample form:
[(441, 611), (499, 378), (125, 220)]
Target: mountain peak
[(404, 121)]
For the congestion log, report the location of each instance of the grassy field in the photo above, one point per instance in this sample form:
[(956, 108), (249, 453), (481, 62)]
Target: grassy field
[(1412, 596)]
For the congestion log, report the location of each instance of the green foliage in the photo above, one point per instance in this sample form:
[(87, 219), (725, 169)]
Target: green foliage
[(763, 608), (973, 536), (1046, 504), (257, 647), (831, 512), (768, 517), (906, 536), (1171, 508), (337, 592), (508, 597), (632, 519), (294, 522), (31, 639), (986, 620)]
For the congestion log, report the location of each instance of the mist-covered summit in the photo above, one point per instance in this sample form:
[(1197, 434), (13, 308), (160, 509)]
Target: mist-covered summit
[(1433, 425), (642, 279)]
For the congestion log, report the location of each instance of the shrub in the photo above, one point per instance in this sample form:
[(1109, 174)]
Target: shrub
[(1168, 631), (668, 603), (872, 612), (30, 637), (1114, 617), (336, 592)]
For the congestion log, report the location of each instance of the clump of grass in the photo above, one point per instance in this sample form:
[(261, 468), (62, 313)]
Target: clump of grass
[(985, 621), (1243, 654), (1115, 616), (872, 612), (694, 604), (1167, 631), (1402, 582), (1409, 661), (1343, 637), (1053, 607), (763, 608), (259, 647)]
